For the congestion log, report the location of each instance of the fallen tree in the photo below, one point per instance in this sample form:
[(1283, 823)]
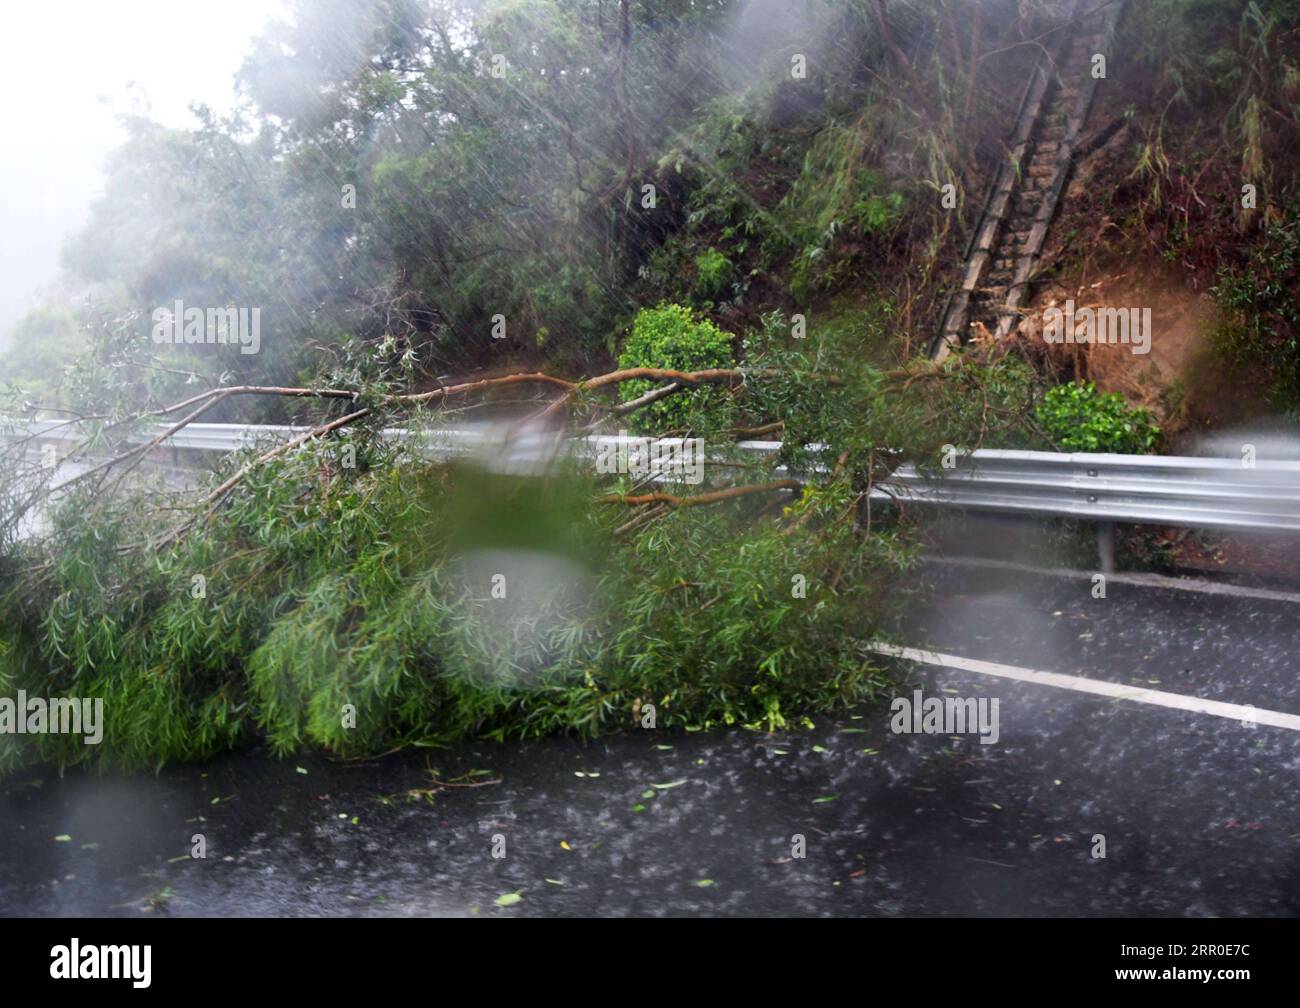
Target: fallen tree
[(405, 600)]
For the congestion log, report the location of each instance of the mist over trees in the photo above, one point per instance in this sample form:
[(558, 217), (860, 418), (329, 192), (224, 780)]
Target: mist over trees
[(407, 172), (403, 171)]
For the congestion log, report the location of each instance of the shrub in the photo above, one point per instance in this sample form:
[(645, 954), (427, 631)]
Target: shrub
[(1263, 335), (670, 336), (44, 342), (712, 274), (1079, 418)]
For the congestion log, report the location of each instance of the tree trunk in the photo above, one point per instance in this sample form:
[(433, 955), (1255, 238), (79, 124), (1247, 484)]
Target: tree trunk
[(900, 58)]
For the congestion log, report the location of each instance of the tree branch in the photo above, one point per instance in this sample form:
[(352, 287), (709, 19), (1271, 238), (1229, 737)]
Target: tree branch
[(705, 498), (215, 497)]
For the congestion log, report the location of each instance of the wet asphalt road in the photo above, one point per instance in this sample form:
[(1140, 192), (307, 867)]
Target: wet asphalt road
[(1201, 815)]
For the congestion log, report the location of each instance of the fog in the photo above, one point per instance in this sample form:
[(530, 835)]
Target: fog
[(69, 68)]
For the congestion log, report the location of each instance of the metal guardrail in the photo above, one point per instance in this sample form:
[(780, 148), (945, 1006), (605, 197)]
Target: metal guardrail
[(195, 436), (1193, 492), (1142, 489)]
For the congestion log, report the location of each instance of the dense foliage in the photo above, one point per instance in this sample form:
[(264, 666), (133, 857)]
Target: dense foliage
[(319, 585), (488, 182), (1262, 334), (1078, 418), (671, 337)]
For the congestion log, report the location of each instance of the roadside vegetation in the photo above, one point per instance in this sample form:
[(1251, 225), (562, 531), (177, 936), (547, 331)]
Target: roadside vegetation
[(404, 600)]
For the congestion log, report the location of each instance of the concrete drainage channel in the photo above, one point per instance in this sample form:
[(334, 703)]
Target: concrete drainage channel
[(1003, 253)]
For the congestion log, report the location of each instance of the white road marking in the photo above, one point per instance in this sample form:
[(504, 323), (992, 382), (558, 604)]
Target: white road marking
[(1235, 712)]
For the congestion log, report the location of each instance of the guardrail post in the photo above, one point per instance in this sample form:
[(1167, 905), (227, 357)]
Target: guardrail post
[(1106, 546)]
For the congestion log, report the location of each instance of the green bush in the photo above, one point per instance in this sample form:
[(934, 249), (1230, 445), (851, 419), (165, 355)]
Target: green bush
[(43, 344), (713, 271), (671, 336), (1078, 418)]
